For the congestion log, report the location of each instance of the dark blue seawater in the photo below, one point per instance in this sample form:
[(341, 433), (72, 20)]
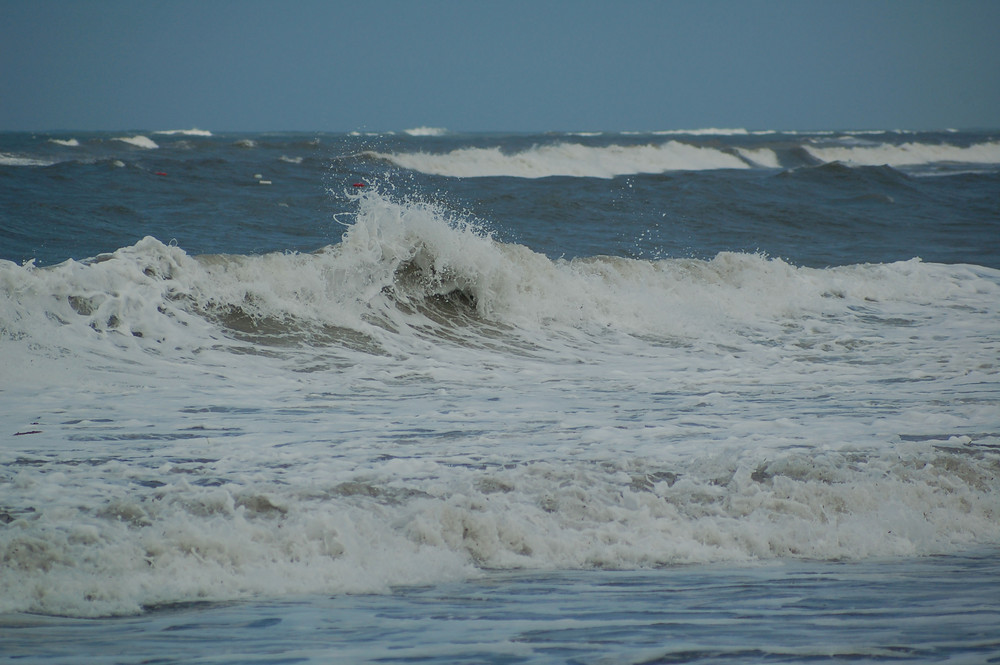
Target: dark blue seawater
[(672, 397), (103, 194)]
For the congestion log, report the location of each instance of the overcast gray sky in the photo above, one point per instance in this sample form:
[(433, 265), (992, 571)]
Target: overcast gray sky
[(499, 66)]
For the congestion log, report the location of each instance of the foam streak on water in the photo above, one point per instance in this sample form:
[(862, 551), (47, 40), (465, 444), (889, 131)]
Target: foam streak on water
[(422, 402)]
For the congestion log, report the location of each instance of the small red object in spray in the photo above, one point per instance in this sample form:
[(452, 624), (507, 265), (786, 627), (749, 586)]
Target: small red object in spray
[(161, 173), (358, 184)]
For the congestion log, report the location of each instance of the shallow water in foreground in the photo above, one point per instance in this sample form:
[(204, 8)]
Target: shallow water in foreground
[(932, 609)]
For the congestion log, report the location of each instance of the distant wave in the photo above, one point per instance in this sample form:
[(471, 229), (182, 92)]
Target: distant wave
[(567, 159), (579, 160), (185, 132), (764, 157), (7, 159), (138, 141), (70, 143), (426, 131), (708, 131), (908, 154)]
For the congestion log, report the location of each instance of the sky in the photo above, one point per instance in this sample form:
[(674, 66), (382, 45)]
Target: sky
[(500, 65)]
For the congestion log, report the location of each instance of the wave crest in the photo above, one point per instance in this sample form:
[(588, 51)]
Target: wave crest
[(411, 266), (908, 154), (138, 141), (567, 159)]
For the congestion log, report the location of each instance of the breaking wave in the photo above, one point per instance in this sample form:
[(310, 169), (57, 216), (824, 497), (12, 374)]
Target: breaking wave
[(567, 159), (139, 141), (609, 161), (292, 425), (908, 154)]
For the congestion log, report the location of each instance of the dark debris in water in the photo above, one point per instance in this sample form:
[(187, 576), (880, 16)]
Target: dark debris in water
[(761, 475), (261, 505)]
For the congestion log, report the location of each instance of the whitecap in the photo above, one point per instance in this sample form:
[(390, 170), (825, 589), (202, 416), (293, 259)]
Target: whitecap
[(7, 159), (426, 131), (138, 141), (568, 159), (708, 131), (908, 154), (184, 132)]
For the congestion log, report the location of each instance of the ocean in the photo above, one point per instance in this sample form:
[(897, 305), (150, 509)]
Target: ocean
[(709, 396)]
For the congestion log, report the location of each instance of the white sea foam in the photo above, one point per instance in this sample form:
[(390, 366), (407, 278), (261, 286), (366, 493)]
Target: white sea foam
[(568, 159), (138, 141), (798, 132), (184, 132), (707, 131), (8, 159), (908, 154), (426, 131), (421, 401), (69, 143)]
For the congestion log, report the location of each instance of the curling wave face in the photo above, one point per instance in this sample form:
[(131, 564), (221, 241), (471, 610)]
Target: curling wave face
[(421, 401)]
